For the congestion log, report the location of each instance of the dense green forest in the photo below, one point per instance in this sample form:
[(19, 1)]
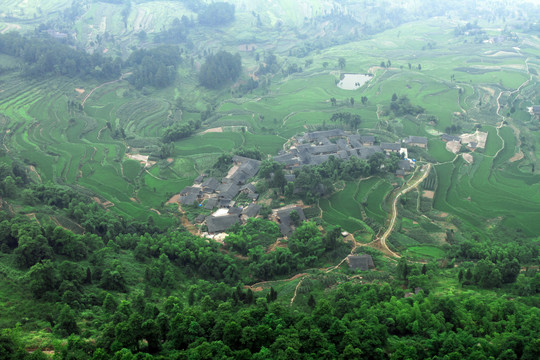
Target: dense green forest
[(119, 291)]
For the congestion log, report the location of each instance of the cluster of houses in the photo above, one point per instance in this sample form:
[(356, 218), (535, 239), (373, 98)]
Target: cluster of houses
[(315, 148), (220, 194), (312, 148)]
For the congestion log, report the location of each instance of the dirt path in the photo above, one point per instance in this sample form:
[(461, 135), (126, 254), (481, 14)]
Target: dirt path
[(356, 244), (99, 132), (4, 140), (501, 124), (33, 169), (275, 245), (519, 155), (185, 222), (102, 85), (255, 286), (296, 291), (152, 175), (393, 212)]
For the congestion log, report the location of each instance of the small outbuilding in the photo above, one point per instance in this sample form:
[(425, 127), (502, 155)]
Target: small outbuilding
[(360, 262)]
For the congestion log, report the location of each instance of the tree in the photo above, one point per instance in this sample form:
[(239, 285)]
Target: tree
[(402, 269), (342, 62), (66, 322), (217, 14), (419, 67), (311, 302), (43, 278), (9, 186), (295, 218), (219, 69), (352, 101), (394, 97), (333, 101)]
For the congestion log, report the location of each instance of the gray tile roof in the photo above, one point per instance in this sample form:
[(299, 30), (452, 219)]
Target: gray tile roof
[(325, 149), (221, 223), (199, 179), (447, 137), (210, 184), (318, 135), (416, 140), (404, 165), (365, 139), (342, 144), (228, 191), (252, 210), (188, 199), (285, 222), (211, 203), (188, 190), (368, 151), (235, 210), (390, 146), (361, 262)]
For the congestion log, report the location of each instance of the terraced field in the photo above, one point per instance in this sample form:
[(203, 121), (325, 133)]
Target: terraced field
[(350, 207), (459, 83)]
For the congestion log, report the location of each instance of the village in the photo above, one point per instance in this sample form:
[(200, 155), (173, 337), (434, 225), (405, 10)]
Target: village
[(308, 149), (312, 148)]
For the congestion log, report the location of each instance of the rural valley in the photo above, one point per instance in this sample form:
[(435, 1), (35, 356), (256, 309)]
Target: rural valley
[(338, 179)]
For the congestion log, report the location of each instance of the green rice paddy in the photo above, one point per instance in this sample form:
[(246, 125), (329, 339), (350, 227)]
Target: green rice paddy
[(458, 84)]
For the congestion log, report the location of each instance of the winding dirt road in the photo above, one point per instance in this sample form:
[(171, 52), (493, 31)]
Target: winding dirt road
[(381, 242)]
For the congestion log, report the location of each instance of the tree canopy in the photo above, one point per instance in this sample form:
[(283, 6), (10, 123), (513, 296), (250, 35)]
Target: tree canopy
[(220, 69)]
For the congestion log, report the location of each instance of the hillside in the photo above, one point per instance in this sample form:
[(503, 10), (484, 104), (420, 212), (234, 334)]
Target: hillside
[(405, 131)]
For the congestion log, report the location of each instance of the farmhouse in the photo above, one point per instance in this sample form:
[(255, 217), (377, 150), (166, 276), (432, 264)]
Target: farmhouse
[(367, 140), (249, 191), (200, 218), (285, 222), (189, 195), (419, 141), (211, 203), (218, 224), (210, 185), (368, 151), (246, 169), (390, 147), (235, 211), (228, 191), (534, 110), (315, 148), (250, 211), (360, 262), (320, 135), (404, 165)]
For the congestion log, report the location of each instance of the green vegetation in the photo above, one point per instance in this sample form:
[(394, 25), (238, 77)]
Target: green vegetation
[(109, 108)]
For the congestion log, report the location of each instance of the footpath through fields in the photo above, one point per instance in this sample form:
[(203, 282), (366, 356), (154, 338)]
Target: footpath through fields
[(380, 242)]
